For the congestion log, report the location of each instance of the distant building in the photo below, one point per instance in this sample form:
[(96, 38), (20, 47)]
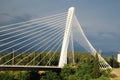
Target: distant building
[(118, 56)]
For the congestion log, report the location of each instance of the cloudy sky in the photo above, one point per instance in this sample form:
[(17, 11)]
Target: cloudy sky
[(100, 19)]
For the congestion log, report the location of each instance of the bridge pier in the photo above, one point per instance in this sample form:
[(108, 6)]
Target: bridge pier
[(63, 55)]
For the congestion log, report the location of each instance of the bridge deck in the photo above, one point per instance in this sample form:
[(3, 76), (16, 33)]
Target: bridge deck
[(28, 68)]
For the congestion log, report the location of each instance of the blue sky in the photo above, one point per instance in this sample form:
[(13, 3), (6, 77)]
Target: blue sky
[(100, 19)]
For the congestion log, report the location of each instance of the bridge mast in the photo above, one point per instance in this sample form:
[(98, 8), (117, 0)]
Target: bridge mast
[(63, 55)]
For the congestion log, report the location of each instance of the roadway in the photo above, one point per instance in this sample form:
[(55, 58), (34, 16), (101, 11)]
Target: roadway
[(28, 68)]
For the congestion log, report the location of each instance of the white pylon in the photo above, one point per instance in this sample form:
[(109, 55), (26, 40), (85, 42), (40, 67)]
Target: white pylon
[(63, 55)]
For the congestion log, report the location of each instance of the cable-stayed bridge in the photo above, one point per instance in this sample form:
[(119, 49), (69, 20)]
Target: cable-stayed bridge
[(22, 44)]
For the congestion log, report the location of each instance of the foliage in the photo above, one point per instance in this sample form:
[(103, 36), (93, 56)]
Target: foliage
[(14, 75), (50, 76), (96, 68), (6, 76), (67, 72), (102, 78), (86, 68), (29, 56), (113, 62), (106, 72)]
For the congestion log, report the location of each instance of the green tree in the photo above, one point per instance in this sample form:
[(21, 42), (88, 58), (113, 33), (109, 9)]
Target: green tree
[(96, 68), (84, 71), (50, 76), (21, 75), (105, 73), (113, 62), (67, 72), (6, 75)]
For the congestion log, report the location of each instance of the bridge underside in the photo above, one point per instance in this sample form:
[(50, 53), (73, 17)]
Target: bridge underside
[(28, 68)]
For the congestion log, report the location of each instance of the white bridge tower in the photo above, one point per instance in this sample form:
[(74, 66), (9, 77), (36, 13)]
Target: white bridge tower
[(63, 55)]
